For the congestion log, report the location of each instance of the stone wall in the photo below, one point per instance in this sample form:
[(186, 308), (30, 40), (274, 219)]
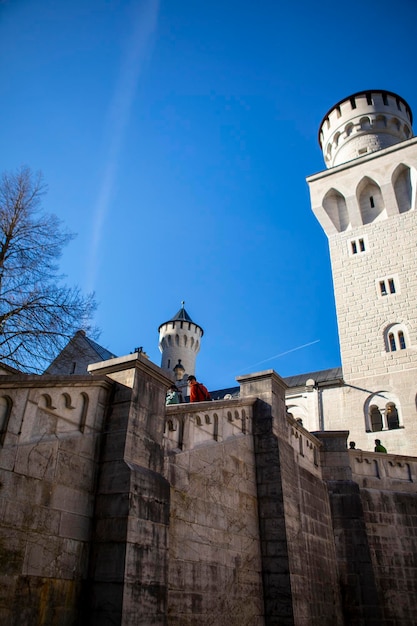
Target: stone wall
[(215, 574), (48, 461), (118, 510)]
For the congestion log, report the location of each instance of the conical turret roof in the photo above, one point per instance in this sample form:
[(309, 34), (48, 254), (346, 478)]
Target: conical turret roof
[(182, 316)]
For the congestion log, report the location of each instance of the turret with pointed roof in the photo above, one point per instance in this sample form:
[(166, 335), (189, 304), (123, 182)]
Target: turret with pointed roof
[(179, 342)]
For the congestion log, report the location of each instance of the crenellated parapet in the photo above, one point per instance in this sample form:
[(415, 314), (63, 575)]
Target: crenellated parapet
[(364, 122), (190, 425), (391, 472)]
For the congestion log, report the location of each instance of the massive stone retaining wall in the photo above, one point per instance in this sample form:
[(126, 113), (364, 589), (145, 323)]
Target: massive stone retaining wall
[(215, 569), (48, 460), (115, 509)]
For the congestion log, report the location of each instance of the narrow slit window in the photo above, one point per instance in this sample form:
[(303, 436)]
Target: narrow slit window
[(385, 99), (401, 340), (391, 285), (391, 340), (383, 287), (353, 103), (372, 201), (369, 98), (356, 246)]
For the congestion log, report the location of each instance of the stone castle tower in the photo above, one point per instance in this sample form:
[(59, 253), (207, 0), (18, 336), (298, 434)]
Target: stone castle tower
[(179, 342), (366, 203)]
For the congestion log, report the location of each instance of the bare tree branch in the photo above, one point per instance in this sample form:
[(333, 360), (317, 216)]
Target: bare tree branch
[(38, 313)]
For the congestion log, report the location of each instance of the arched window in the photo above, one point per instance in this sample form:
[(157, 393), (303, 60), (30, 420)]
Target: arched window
[(370, 200), (334, 204), (365, 123), (396, 338), (392, 345), (382, 412), (401, 181)]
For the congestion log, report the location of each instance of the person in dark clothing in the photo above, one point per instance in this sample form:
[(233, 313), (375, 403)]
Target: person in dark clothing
[(379, 447)]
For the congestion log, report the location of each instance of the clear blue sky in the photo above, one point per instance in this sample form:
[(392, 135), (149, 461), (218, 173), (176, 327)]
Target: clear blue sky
[(175, 139)]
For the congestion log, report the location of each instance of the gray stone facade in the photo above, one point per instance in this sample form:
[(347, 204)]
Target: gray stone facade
[(118, 510)]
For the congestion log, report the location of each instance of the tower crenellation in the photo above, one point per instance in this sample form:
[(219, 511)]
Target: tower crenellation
[(363, 123)]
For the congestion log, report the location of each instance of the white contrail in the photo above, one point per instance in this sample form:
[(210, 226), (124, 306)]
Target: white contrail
[(276, 356), (137, 53)]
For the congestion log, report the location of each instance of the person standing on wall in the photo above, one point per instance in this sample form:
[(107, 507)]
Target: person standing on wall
[(379, 447), (198, 392)]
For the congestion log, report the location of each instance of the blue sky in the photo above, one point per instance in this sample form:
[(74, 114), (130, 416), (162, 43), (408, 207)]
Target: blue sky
[(175, 139)]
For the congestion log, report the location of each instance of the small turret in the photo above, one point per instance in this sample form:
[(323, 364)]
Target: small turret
[(365, 122), (179, 342)]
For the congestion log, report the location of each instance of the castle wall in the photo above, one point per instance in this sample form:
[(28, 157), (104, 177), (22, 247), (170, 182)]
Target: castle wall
[(129, 559), (48, 461), (215, 572), (118, 510), (298, 554)]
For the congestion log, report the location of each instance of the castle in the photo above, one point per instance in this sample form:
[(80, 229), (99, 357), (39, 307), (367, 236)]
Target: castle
[(249, 510)]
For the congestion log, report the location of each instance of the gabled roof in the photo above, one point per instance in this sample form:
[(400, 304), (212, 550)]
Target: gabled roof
[(79, 352), (103, 353)]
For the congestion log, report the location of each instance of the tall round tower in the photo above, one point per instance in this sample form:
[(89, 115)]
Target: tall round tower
[(365, 122), (179, 342)]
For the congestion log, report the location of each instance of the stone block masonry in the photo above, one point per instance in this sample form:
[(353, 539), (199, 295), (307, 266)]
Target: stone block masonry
[(115, 509)]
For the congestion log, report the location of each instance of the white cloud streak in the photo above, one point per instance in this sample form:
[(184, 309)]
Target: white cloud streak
[(138, 51), (277, 356)]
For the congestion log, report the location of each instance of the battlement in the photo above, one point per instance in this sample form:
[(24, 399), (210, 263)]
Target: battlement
[(391, 472), (363, 123), (188, 426)]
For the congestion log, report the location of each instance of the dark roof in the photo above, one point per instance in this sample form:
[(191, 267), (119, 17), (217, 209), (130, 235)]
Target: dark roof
[(182, 316), (333, 375), (103, 353), (220, 393)]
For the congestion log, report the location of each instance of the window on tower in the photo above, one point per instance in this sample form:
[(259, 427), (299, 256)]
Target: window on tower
[(357, 246), (388, 286), (382, 416), (396, 338)]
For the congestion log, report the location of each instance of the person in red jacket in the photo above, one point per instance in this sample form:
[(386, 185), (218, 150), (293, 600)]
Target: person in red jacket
[(198, 393)]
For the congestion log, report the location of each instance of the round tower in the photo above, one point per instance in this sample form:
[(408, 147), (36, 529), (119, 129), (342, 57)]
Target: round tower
[(179, 342), (365, 122)]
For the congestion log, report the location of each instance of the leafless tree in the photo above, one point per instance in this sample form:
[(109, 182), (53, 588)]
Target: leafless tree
[(38, 312)]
